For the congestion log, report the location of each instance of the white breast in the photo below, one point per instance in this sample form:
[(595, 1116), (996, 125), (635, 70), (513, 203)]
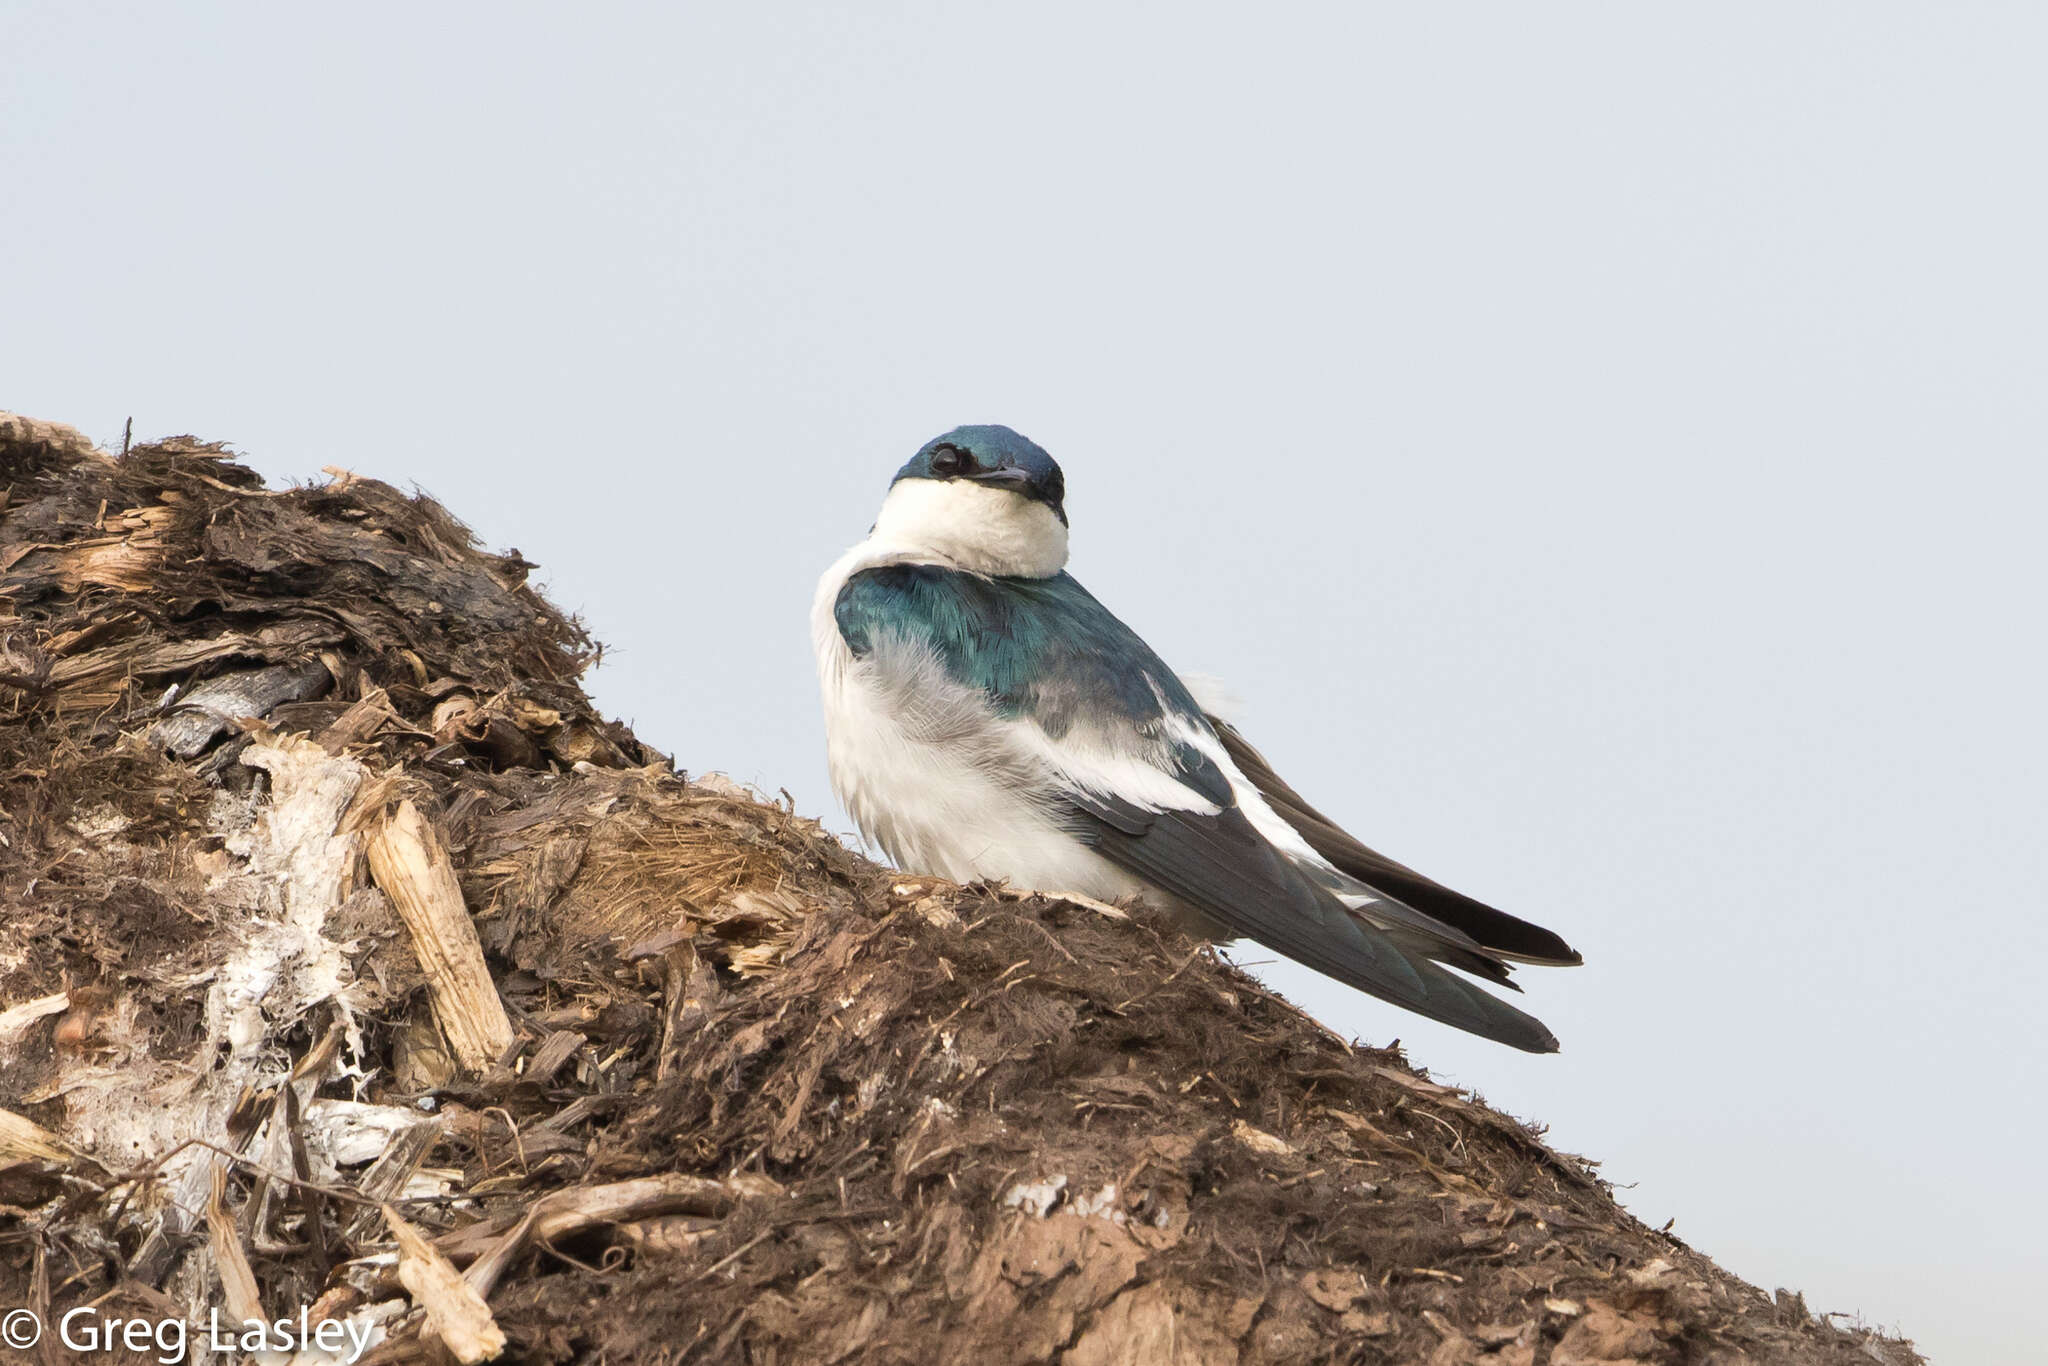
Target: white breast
[(924, 770)]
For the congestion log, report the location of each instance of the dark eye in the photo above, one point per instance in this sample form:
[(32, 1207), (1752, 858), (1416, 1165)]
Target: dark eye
[(948, 461)]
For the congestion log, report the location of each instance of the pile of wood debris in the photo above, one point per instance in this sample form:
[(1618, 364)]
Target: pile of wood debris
[(353, 964)]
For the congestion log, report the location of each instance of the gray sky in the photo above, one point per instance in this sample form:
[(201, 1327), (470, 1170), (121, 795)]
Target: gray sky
[(1602, 445)]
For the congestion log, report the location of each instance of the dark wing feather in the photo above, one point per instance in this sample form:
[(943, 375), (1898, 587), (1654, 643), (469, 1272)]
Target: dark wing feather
[(1221, 865), (1497, 931)]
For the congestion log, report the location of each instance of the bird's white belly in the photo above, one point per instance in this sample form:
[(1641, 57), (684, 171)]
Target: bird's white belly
[(935, 810)]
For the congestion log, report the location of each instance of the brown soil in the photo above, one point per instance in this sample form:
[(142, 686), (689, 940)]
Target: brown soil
[(764, 1101)]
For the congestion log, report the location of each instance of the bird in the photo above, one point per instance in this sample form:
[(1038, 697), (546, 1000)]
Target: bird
[(987, 719)]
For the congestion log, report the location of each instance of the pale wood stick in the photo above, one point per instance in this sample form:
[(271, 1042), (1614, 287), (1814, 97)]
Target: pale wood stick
[(410, 866)]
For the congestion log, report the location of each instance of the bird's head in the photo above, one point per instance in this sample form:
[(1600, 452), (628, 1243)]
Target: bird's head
[(983, 498)]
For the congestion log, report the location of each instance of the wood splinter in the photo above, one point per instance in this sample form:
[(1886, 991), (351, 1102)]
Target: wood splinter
[(410, 866)]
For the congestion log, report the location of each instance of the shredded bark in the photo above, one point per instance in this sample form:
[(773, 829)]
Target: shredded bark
[(352, 960)]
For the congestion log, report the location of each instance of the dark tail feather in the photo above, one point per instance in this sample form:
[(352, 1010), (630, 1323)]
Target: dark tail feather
[(1496, 931)]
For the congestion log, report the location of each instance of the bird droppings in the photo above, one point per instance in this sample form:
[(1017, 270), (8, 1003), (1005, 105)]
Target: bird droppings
[(1101, 1204), (1038, 1198), (762, 1101)]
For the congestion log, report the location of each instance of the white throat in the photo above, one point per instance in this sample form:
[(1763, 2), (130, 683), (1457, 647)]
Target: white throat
[(974, 526)]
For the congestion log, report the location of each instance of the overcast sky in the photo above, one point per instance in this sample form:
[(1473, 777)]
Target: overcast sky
[(1601, 444)]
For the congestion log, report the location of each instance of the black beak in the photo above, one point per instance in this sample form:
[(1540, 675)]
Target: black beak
[(1020, 482)]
